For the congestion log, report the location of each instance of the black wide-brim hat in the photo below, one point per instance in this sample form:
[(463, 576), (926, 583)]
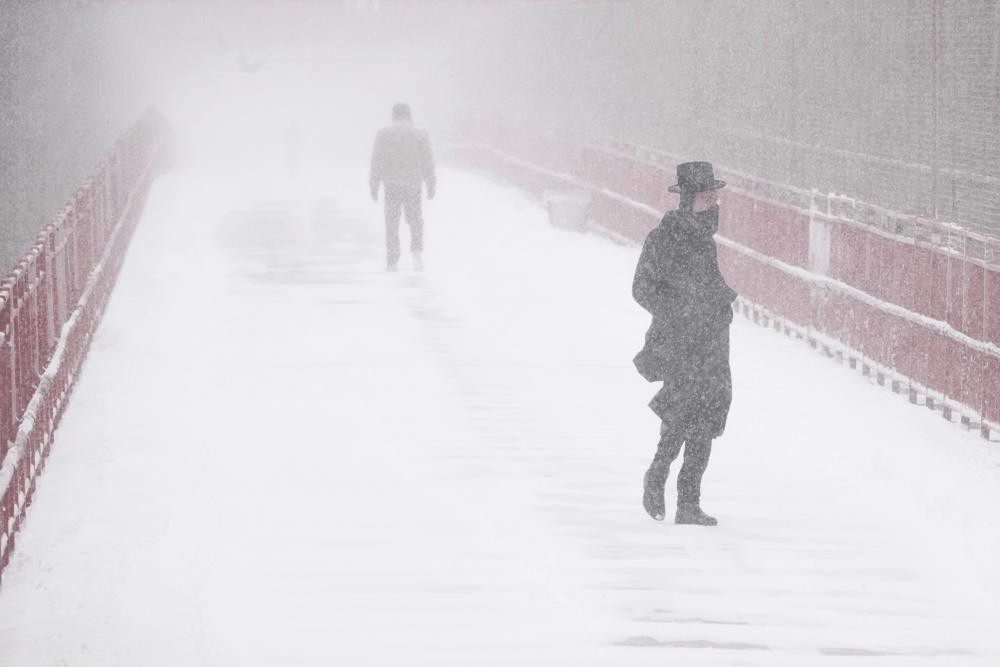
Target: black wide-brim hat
[(696, 177)]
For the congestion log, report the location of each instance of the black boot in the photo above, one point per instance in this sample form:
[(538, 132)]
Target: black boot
[(692, 514), (652, 495)]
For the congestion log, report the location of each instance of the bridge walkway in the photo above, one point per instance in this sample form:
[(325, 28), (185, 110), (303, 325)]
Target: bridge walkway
[(279, 453)]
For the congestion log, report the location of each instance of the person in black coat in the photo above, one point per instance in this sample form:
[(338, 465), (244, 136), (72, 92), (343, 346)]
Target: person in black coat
[(687, 345)]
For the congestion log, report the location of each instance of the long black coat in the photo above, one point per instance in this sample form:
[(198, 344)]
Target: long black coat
[(687, 345)]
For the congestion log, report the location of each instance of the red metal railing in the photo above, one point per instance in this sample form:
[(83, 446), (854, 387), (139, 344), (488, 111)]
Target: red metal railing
[(915, 302), (50, 306)]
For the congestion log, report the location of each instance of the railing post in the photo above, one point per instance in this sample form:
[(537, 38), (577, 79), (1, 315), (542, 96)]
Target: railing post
[(7, 408)]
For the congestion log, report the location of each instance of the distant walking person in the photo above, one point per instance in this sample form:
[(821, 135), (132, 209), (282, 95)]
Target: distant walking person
[(402, 160), (687, 345)]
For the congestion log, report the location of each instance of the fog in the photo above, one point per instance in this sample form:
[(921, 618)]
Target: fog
[(890, 102), (242, 84)]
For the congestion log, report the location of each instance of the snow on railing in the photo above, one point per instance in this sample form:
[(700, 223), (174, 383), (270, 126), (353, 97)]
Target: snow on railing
[(50, 306), (895, 294)]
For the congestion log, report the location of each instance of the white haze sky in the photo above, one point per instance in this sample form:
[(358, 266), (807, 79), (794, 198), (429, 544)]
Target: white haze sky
[(233, 77)]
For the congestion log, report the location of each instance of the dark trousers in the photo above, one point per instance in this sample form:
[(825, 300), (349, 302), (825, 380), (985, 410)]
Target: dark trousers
[(696, 453), (402, 199)]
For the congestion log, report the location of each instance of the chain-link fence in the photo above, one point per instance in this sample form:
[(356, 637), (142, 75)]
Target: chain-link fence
[(891, 102)]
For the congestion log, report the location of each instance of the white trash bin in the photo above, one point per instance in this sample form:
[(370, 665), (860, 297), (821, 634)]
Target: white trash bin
[(567, 208)]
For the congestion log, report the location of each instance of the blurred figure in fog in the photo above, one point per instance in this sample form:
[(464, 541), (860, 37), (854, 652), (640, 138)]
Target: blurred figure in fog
[(402, 160), (687, 345), (293, 141)]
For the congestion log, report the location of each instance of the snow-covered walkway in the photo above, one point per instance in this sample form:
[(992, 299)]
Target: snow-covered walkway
[(280, 454)]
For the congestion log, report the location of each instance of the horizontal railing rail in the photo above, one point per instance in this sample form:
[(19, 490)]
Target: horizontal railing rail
[(903, 296)]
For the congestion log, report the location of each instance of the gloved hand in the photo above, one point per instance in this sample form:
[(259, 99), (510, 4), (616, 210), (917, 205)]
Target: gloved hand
[(374, 192), (430, 192), (727, 315)]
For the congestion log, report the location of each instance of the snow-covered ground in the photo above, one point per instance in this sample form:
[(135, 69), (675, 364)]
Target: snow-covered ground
[(279, 454)]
